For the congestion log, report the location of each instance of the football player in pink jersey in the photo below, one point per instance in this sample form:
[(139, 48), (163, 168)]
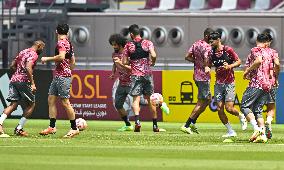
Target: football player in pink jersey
[(140, 55), (274, 72), (118, 42), (22, 86), (225, 59), (257, 70), (60, 86), (198, 53)]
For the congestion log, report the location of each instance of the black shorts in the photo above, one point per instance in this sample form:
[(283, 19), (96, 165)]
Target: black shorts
[(20, 91)]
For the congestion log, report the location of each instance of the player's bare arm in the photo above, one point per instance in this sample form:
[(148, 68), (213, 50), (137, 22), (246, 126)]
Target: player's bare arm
[(153, 57), (29, 69), (255, 65), (118, 61), (57, 58), (13, 65), (233, 65), (113, 71), (189, 57), (72, 63)]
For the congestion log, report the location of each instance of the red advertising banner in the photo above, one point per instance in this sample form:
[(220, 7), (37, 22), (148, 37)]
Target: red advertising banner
[(91, 96)]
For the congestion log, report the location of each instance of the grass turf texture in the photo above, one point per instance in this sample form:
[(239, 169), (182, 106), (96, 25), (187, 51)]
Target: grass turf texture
[(101, 147)]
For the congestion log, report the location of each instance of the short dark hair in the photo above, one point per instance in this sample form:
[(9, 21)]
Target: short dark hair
[(268, 36), (62, 29), (208, 31), (118, 39), (262, 38), (134, 29), (214, 35)]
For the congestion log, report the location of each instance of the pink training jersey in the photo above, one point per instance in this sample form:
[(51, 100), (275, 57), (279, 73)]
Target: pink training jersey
[(260, 76), (200, 51), (224, 76), (63, 67), (124, 74), (139, 67), (27, 55)]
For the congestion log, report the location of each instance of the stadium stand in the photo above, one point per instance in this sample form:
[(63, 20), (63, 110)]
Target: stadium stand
[(243, 4), (197, 4), (10, 4), (165, 5), (205, 5), (228, 5), (181, 4), (235, 5), (150, 4), (212, 4), (266, 4), (274, 3)]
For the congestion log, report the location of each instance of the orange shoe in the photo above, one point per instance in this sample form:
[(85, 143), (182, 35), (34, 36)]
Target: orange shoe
[(20, 132), (48, 131), (71, 133)]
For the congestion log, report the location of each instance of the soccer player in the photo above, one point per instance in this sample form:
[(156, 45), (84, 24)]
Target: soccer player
[(198, 54), (225, 60), (60, 86), (141, 55), (22, 86), (118, 42), (255, 96), (274, 72)]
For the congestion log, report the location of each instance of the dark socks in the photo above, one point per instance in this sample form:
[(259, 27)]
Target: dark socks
[(73, 124), (126, 120), (137, 119), (188, 122), (52, 122), (155, 124)]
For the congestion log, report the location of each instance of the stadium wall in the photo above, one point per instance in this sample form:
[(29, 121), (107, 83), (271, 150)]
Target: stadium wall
[(171, 32)]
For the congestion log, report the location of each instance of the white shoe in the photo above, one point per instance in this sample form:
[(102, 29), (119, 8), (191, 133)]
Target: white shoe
[(243, 122), (230, 134), (186, 130), (255, 134), (261, 139)]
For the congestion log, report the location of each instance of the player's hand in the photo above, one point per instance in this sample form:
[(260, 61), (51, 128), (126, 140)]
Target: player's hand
[(117, 60), (226, 66), (33, 86), (246, 75), (207, 69), (43, 60)]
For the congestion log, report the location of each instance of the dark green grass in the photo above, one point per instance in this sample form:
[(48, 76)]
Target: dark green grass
[(102, 147)]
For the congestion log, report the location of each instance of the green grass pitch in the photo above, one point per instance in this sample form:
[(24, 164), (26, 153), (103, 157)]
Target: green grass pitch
[(101, 147)]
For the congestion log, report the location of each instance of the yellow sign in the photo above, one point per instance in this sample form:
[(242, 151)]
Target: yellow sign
[(180, 93)]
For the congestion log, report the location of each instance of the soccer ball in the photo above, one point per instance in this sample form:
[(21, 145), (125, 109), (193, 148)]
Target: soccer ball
[(81, 124), (156, 99)]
